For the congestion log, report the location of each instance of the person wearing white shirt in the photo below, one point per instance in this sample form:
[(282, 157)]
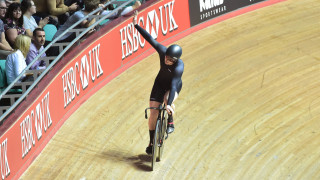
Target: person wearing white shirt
[(28, 9), (16, 62)]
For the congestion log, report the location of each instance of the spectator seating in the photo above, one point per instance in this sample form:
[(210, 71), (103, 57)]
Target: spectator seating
[(104, 22), (3, 77), (50, 31)]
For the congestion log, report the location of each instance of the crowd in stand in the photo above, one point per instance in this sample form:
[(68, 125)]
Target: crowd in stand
[(22, 34)]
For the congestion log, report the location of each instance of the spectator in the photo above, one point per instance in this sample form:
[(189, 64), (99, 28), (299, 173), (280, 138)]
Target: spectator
[(28, 9), (36, 47), (90, 5), (16, 62), (13, 24), (56, 9), (3, 9), (125, 11), (5, 48)]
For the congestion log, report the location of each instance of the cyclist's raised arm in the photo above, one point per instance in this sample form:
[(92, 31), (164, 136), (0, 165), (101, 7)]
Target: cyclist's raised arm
[(155, 44)]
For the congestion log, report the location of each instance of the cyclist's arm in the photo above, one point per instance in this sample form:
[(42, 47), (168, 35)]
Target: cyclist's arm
[(175, 82), (155, 44)]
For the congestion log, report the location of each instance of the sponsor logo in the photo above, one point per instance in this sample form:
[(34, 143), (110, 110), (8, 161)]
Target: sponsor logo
[(212, 12), (4, 163), (206, 9), (41, 119), (158, 18), (209, 4), (88, 68), (203, 10)]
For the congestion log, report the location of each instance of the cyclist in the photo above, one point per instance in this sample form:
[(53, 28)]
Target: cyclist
[(168, 82)]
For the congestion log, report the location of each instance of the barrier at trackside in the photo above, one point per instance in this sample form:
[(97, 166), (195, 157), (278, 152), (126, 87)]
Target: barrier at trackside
[(99, 62), (204, 10)]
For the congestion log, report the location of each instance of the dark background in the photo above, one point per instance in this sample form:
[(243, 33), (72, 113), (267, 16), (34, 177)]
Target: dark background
[(231, 5)]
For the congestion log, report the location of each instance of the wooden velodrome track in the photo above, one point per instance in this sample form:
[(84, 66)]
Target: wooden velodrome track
[(249, 108)]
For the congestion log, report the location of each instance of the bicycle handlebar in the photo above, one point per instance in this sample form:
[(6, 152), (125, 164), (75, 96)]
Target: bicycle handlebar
[(158, 108)]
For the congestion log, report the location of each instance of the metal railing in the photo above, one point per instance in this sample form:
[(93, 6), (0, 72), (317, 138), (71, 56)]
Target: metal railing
[(80, 33)]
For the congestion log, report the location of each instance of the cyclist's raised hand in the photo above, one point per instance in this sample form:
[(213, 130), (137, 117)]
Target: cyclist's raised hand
[(135, 17)]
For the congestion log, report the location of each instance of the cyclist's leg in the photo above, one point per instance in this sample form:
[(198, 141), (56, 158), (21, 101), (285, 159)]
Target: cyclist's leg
[(156, 98), (152, 124), (153, 115)]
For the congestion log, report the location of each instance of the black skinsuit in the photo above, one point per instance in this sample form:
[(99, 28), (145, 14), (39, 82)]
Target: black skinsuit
[(169, 77)]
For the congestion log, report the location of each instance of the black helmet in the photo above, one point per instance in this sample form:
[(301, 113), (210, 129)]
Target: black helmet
[(174, 51)]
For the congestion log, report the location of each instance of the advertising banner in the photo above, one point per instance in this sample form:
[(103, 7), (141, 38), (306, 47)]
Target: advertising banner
[(204, 10), (74, 83)]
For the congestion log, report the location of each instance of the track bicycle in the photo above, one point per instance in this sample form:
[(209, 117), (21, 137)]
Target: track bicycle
[(159, 134)]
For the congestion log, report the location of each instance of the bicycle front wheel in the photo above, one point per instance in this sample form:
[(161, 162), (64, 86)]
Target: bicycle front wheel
[(155, 145), (164, 122)]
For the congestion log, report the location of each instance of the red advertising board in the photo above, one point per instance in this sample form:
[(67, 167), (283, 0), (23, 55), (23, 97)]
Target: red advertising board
[(166, 19), (90, 69)]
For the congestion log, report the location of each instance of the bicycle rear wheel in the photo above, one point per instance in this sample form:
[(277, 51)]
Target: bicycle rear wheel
[(164, 122), (155, 144)]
